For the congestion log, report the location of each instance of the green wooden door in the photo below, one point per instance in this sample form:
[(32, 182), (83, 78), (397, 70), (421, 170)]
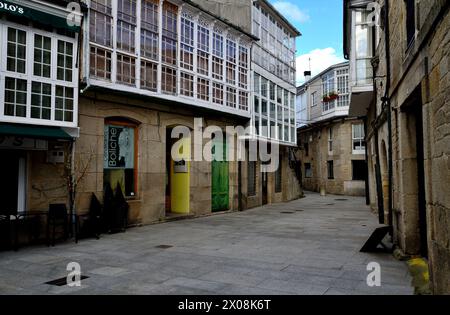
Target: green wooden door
[(220, 182)]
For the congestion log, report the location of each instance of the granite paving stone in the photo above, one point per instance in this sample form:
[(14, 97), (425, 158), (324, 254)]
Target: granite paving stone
[(313, 250)]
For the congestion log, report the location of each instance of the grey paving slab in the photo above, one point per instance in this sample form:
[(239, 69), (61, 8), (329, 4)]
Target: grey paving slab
[(313, 250)]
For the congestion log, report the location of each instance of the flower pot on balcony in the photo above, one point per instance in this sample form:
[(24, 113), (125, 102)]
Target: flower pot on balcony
[(332, 96)]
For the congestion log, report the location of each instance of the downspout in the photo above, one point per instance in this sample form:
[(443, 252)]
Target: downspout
[(366, 183), (240, 206), (72, 192), (86, 51), (380, 197), (387, 101)]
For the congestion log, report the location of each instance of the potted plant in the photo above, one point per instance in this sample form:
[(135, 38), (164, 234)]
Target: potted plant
[(333, 96), (330, 97)]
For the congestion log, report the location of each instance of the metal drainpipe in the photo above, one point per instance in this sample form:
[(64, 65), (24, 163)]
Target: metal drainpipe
[(240, 206), (380, 195), (366, 152), (72, 195), (389, 109)]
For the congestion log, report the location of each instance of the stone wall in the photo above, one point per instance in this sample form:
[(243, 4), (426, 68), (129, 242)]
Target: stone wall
[(342, 155), (152, 120), (436, 101), (290, 189), (237, 12), (47, 182), (149, 204), (419, 87)]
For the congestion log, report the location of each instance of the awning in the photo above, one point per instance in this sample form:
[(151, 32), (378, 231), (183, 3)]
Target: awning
[(32, 131), (36, 12)]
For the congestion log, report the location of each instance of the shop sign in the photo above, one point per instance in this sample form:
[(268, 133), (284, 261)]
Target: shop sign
[(11, 8), (22, 143), (119, 147)]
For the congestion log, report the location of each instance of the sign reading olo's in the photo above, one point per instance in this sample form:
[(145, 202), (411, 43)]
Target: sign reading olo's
[(11, 8)]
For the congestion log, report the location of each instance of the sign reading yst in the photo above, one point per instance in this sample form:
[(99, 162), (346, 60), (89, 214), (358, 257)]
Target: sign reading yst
[(5, 6)]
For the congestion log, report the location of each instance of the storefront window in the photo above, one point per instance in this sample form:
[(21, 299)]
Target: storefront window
[(120, 157)]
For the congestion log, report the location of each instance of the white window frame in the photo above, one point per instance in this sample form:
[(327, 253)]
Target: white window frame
[(189, 92), (30, 77), (330, 140), (314, 100), (215, 55), (144, 82), (358, 139), (343, 89)]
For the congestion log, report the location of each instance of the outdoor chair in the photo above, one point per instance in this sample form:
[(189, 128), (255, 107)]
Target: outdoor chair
[(5, 232), (115, 210), (90, 224), (57, 216)]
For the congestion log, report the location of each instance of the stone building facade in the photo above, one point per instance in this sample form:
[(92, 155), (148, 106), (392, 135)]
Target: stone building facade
[(150, 67), (153, 123), (407, 122), (338, 172), (332, 145), (183, 63), (273, 74), (114, 97)]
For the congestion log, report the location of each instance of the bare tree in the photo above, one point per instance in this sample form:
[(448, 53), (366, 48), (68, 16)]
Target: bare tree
[(75, 170)]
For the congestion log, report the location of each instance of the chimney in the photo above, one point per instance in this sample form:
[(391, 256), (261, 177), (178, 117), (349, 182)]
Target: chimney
[(307, 75)]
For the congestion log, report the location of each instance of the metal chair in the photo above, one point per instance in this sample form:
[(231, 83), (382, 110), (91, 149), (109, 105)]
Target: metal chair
[(91, 222), (5, 232)]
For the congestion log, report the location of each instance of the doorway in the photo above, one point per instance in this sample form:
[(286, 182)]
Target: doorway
[(177, 176), (421, 180), (265, 190), (413, 159), (13, 183), (220, 179)]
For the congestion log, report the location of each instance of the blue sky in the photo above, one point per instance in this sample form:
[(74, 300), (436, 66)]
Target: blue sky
[(320, 22)]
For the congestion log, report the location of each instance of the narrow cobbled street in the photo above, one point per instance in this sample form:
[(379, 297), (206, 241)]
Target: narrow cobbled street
[(308, 246)]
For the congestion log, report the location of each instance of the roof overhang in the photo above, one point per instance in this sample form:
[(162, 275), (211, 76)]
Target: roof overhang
[(168, 103), (267, 5), (222, 20), (360, 103)]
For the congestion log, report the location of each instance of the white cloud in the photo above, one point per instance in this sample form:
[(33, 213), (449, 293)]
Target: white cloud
[(321, 59), (291, 11)]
